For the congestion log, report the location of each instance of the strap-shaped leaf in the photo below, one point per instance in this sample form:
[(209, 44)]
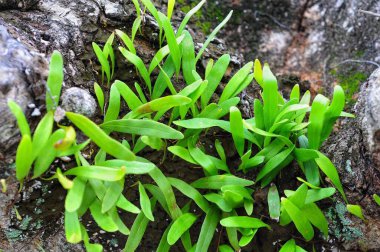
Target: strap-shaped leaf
[(54, 81), (317, 115), (274, 162), (75, 195), (72, 227), (24, 158), (270, 97), (99, 137), (212, 36), (316, 217), (300, 221), (180, 226), (20, 117), (112, 195), (98, 172), (214, 77), (171, 39), (235, 82), (330, 171), (237, 129), (103, 220), (113, 109), (188, 15), (137, 231), (139, 64), (243, 222), (190, 192), (99, 96), (274, 203), (217, 181), (145, 203), (162, 53), (207, 230), (142, 127), (128, 42)]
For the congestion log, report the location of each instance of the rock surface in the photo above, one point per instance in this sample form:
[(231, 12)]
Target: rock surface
[(79, 101), (20, 68)]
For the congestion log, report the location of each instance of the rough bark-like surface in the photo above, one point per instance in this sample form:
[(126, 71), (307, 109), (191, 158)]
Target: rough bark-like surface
[(354, 149), (20, 68)]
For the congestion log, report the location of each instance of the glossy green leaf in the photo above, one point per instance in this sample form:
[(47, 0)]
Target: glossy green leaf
[(145, 203), (103, 220), (164, 185), (112, 195), (274, 202), (188, 58), (214, 77), (171, 39), (99, 96), (212, 36), (237, 129), (129, 96), (270, 97), (103, 61), (182, 153), (122, 228), (180, 226), (139, 64), (330, 171), (75, 195), (162, 53), (258, 72), (376, 198), (203, 160), (126, 40), (289, 246), (235, 82), (316, 217), (333, 112), (187, 17), (317, 115), (24, 158), (42, 133), (135, 27), (355, 210), (100, 138), (274, 162), (207, 230), (137, 231), (20, 117), (126, 205), (217, 181), (72, 227), (243, 222), (160, 104), (114, 105), (225, 248), (98, 172), (54, 81), (219, 148), (190, 192), (301, 222), (142, 127)]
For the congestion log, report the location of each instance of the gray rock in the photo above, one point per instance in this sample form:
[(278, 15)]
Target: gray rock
[(79, 101), (370, 116), (355, 151), (19, 68)]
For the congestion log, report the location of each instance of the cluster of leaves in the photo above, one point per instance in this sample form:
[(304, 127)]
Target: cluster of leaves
[(278, 131)]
